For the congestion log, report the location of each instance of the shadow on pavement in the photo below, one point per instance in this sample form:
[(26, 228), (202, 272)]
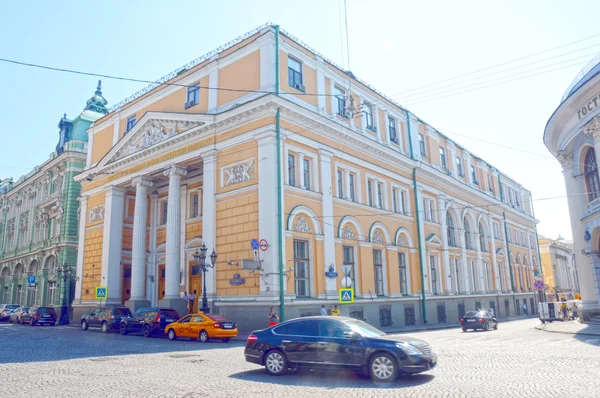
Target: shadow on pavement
[(330, 379), (23, 344)]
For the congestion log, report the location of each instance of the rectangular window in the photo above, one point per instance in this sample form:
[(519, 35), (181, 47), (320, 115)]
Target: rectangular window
[(295, 74), (165, 206), (490, 183), (395, 200), (392, 128), (370, 192), (301, 268), (378, 265), (349, 262), (130, 124), (352, 196), (51, 293), (474, 175), (291, 170), (306, 170), (431, 212), (380, 196), (422, 144), (369, 116), (340, 102), (426, 210), (193, 96), (403, 275), (403, 202), (195, 205), (443, 158), (496, 231), (459, 167), (434, 288), (340, 184)]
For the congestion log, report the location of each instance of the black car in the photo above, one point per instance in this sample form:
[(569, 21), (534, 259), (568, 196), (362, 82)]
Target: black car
[(337, 342), (148, 321), (478, 320), (39, 315), (105, 318)]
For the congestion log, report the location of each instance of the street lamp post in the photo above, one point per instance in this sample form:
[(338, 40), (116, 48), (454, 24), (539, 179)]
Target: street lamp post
[(64, 273), (200, 258)]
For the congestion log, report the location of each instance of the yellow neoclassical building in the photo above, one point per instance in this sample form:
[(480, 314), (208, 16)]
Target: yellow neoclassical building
[(266, 139)]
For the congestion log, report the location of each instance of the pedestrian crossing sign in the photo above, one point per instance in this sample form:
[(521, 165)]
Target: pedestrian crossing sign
[(101, 292), (346, 295)]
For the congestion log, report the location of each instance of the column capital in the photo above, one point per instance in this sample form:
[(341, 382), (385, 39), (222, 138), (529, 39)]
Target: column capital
[(175, 171), (142, 181), (593, 128), (566, 159)]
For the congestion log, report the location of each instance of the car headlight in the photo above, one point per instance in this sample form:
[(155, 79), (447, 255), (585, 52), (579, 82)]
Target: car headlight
[(409, 349)]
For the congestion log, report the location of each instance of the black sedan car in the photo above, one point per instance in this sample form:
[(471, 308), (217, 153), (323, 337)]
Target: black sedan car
[(337, 342), (148, 321), (478, 320), (105, 318)]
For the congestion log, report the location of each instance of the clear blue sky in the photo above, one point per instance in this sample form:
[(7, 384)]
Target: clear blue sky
[(394, 46)]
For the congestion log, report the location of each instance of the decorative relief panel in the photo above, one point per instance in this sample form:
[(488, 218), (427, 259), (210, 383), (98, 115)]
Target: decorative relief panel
[(378, 238), (347, 233), (152, 135), (96, 213), (302, 225), (402, 242), (236, 173)]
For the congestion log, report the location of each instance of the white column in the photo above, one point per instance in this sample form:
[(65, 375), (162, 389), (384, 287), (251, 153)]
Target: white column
[(328, 229), (423, 247), (173, 243), (479, 281), (496, 288), (83, 206), (450, 283), (182, 232), (209, 215), (114, 208), (463, 256), (267, 213), (300, 169), (151, 286), (138, 247)]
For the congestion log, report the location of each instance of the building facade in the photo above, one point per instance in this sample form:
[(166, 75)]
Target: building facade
[(572, 134), (558, 268), (266, 139), (38, 224)]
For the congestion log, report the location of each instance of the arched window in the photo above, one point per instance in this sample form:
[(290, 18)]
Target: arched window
[(450, 230), (468, 241), (482, 245), (591, 175)]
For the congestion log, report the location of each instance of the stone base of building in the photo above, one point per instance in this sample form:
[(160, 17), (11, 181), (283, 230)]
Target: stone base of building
[(135, 305), (179, 305), (382, 312)]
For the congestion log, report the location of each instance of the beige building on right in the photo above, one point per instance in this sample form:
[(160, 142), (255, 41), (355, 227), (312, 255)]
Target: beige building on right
[(558, 267)]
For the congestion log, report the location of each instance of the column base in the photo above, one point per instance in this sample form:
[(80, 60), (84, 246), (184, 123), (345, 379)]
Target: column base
[(135, 305), (179, 305)]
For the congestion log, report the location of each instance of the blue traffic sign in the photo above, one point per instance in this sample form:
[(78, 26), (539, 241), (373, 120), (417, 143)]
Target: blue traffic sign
[(346, 295), (31, 279), (254, 244)]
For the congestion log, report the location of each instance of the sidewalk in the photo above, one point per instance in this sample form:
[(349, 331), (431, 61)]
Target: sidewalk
[(570, 327)]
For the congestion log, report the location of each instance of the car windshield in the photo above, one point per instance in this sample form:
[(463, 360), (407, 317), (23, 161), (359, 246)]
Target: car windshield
[(217, 318), (471, 313), (364, 329), (169, 314)]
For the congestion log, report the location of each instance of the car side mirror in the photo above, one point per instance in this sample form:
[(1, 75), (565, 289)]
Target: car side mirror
[(350, 335)]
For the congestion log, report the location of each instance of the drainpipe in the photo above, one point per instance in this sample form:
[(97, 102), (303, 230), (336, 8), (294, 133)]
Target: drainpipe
[(423, 307), (412, 156), (279, 186)]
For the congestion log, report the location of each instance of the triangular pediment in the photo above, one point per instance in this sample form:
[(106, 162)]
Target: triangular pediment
[(500, 251), (433, 239), (152, 129)]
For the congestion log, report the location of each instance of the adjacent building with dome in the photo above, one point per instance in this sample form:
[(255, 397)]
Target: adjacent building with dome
[(573, 136), (38, 218)]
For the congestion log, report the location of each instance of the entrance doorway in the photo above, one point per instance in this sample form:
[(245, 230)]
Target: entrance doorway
[(126, 290), (195, 282), (161, 281)]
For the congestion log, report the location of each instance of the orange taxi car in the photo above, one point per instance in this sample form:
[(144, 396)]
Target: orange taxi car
[(202, 326)]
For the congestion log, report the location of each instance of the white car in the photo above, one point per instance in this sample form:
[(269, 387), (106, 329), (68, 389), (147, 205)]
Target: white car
[(6, 309), (17, 315)]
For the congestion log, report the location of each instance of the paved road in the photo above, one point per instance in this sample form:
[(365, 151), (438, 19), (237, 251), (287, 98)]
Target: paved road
[(515, 361)]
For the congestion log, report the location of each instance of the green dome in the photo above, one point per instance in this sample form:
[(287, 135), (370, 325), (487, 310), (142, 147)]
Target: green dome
[(97, 103)]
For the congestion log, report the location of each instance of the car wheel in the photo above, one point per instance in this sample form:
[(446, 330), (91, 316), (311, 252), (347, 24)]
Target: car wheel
[(383, 368), (123, 329), (225, 340), (486, 327), (84, 326), (276, 363), (172, 335), (204, 336), (104, 327), (147, 332), (465, 330)]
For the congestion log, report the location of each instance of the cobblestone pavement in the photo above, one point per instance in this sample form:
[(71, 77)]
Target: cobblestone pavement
[(515, 361)]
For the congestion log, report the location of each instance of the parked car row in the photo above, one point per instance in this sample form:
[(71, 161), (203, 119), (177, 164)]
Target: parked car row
[(160, 321), (36, 315)]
